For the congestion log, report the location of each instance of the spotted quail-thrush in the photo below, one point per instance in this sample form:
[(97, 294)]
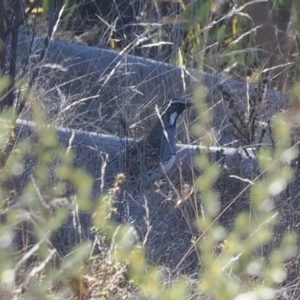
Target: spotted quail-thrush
[(153, 155)]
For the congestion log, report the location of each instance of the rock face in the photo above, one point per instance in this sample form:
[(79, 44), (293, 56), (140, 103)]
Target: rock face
[(85, 88)]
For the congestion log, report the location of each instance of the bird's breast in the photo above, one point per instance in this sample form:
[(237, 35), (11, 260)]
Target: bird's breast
[(168, 164)]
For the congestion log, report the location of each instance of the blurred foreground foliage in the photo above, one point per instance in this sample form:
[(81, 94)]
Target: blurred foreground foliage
[(233, 264)]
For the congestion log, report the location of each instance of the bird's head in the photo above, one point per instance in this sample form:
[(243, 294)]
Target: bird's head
[(172, 110)]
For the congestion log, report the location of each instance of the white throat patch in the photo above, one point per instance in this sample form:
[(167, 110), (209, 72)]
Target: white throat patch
[(173, 117)]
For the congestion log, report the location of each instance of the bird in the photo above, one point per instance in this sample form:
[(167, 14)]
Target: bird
[(153, 155)]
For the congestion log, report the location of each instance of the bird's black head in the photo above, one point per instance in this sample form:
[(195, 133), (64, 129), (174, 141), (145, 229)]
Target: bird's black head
[(167, 121), (173, 109)]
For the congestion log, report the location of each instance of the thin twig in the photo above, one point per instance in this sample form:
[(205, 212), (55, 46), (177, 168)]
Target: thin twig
[(53, 24), (2, 39)]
